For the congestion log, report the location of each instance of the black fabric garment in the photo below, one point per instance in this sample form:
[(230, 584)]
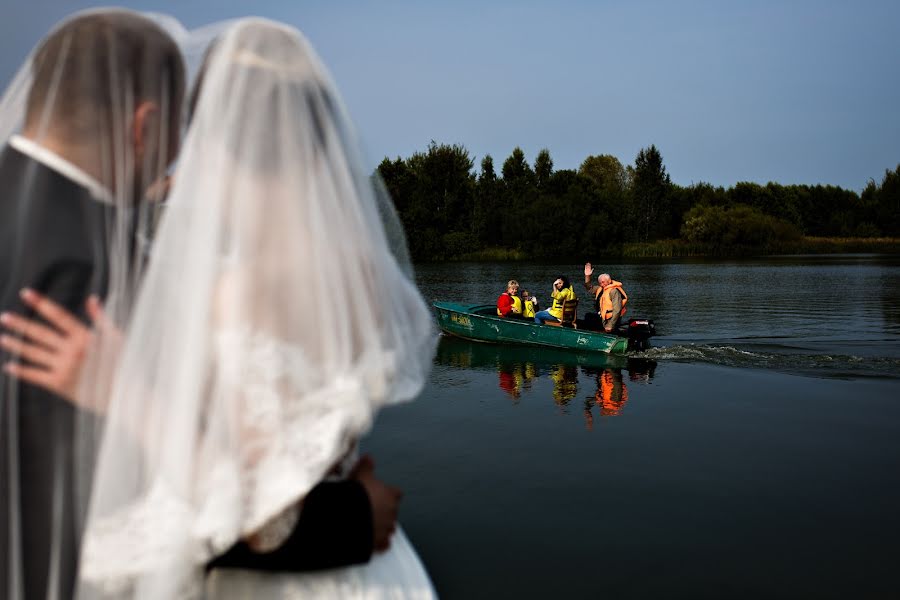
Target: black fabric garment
[(591, 322), (52, 240), (334, 530)]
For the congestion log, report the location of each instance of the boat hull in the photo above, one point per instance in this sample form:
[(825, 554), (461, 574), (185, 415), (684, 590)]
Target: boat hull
[(475, 322)]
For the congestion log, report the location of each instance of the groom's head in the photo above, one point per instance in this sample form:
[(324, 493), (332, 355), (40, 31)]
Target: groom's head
[(106, 94)]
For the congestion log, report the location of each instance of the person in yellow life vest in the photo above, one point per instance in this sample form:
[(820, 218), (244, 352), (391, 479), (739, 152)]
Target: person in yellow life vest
[(528, 304), (508, 303), (562, 291)]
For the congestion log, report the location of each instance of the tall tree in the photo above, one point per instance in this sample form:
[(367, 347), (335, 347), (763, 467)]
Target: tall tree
[(889, 202), (606, 172), (518, 192), (396, 177), (445, 183), (487, 169), (516, 169), (434, 195), (486, 222), (650, 195), (543, 168)]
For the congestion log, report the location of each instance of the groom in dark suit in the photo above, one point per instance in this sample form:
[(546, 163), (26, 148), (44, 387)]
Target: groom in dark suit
[(101, 122)]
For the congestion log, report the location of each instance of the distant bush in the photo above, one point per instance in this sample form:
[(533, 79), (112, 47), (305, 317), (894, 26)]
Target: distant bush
[(660, 249), (493, 255), (721, 228), (457, 243), (866, 230), (803, 245)]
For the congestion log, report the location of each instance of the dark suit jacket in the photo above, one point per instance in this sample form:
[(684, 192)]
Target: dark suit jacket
[(52, 235), (51, 239)]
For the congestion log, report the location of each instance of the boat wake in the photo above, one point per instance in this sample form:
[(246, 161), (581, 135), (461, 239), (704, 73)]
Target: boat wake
[(816, 365)]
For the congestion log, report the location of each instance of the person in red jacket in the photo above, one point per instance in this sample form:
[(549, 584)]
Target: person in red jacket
[(508, 303)]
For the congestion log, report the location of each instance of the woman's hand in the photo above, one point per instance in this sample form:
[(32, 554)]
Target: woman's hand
[(588, 270), (55, 353)]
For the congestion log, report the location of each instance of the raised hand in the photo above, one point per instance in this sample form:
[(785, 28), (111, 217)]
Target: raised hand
[(385, 501), (56, 352), (588, 270)]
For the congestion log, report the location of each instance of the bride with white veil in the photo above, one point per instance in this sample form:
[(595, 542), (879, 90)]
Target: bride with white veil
[(276, 317)]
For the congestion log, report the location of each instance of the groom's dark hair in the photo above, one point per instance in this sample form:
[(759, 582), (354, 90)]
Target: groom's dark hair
[(95, 65)]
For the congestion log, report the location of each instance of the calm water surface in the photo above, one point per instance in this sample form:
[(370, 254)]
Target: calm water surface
[(753, 452)]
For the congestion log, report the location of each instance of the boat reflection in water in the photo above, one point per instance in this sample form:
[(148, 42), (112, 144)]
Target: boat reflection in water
[(519, 367)]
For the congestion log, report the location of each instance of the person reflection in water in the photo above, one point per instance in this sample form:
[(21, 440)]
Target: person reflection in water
[(612, 393), (565, 383), (611, 396), (516, 378)]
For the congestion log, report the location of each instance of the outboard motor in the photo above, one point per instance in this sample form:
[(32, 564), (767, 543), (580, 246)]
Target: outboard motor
[(638, 332)]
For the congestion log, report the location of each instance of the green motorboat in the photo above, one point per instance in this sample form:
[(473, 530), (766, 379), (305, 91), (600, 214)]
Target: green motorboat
[(479, 322)]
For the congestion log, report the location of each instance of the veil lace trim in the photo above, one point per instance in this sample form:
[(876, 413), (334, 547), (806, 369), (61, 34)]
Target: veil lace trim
[(289, 432)]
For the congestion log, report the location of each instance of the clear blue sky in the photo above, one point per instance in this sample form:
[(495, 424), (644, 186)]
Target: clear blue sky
[(793, 91)]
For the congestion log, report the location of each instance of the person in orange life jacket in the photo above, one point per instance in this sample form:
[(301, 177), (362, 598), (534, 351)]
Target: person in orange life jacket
[(562, 291), (612, 303), (609, 302), (508, 303)]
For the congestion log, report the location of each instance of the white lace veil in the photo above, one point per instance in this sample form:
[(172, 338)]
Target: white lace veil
[(88, 126), (277, 315)]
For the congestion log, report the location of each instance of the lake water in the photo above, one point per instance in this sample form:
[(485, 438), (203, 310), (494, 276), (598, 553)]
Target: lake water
[(753, 452)]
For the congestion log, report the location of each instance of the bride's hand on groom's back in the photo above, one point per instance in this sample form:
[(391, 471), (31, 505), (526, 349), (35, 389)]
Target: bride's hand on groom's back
[(385, 500)]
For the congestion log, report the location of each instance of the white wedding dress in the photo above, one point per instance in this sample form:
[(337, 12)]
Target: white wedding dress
[(168, 525), (395, 574), (276, 317)]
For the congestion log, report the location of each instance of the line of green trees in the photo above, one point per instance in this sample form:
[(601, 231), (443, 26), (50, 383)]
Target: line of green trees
[(450, 210)]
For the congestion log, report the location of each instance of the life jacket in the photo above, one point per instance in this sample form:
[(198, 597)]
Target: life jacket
[(561, 296), (516, 305), (528, 309), (606, 305)]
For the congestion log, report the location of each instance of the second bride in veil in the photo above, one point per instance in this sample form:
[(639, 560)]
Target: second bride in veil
[(278, 314)]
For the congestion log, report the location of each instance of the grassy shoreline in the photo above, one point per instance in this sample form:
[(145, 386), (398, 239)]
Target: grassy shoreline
[(805, 245), (676, 248)]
